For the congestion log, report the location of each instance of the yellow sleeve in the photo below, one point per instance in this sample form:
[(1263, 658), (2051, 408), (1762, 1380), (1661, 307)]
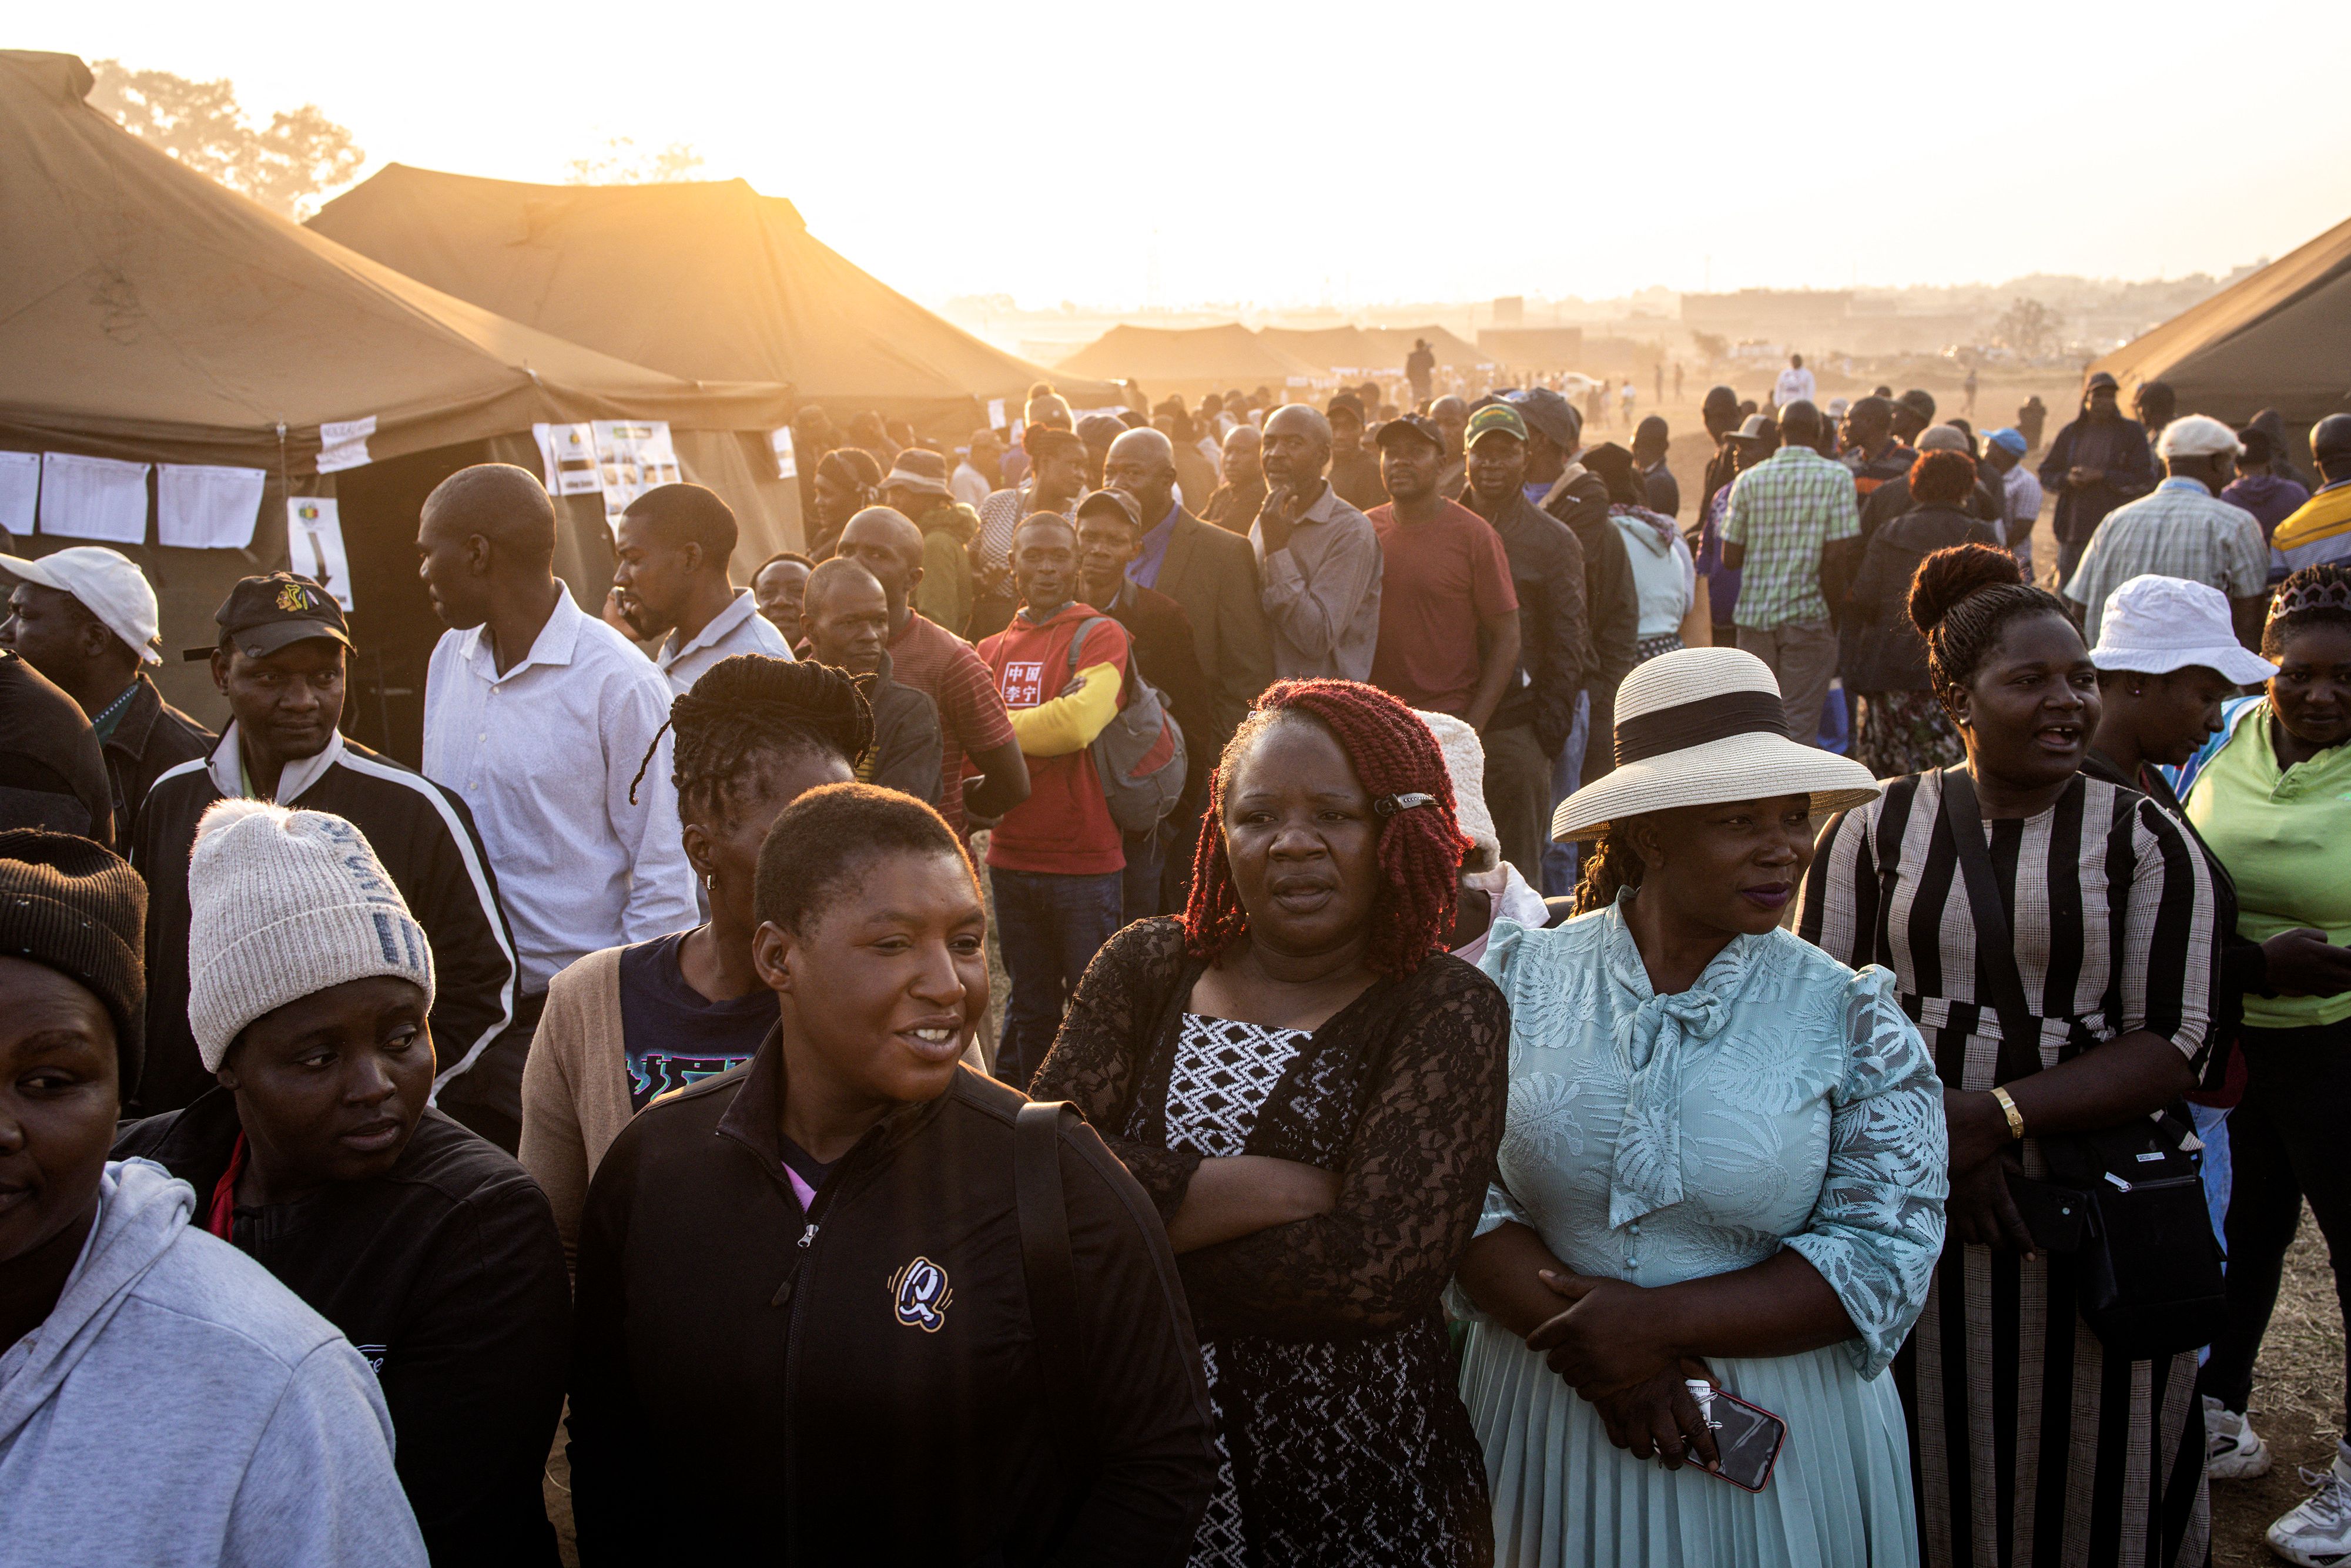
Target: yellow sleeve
[(1069, 722)]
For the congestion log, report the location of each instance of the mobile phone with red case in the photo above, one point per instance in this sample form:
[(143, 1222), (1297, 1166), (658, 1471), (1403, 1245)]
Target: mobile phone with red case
[(1747, 1441)]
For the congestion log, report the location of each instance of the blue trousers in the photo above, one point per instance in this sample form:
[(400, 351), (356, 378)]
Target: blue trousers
[(1566, 779), (1050, 926)]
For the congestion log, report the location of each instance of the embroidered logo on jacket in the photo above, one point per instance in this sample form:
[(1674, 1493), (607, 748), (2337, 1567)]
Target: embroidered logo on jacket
[(922, 1295)]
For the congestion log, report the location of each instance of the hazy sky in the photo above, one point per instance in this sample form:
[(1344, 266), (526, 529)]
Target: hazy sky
[(1283, 153)]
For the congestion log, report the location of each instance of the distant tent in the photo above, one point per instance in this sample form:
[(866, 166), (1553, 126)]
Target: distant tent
[(1189, 359), (706, 279), (1373, 350), (148, 314), (2279, 339)]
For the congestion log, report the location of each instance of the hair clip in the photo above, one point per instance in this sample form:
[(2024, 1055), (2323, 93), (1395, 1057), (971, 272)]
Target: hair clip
[(1389, 805)]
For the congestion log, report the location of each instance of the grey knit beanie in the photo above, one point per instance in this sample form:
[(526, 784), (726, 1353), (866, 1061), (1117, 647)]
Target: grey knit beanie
[(281, 905)]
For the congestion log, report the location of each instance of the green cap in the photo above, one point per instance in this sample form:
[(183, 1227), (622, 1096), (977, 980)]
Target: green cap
[(1498, 416)]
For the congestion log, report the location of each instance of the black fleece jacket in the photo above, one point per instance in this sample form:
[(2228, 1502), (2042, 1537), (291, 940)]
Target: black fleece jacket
[(448, 1276), (860, 1382)]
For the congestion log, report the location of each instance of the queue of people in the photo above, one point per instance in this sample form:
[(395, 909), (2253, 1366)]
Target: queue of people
[(1326, 1196)]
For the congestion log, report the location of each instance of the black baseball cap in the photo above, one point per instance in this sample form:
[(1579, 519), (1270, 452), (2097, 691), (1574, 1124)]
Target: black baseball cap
[(1418, 424), (263, 614)]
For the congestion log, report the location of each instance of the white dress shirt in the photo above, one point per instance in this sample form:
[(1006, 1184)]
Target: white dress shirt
[(738, 629), (970, 486), (1794, 385), (543, 756)]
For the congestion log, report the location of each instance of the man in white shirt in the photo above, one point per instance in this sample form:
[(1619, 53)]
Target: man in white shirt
[(2004, 453), (1795, 383), (548, 723), (974, 480), (673, 546)]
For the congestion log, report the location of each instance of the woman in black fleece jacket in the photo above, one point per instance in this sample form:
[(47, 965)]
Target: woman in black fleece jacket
[(804, 1331)]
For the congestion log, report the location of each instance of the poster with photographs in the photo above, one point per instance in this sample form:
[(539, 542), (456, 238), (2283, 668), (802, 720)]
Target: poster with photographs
[(314, 542), (631, 457), (568, 453)]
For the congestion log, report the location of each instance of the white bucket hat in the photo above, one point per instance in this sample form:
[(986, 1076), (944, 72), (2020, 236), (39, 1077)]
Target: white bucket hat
[(1701, 726), (1464, 763), (2158, 624)]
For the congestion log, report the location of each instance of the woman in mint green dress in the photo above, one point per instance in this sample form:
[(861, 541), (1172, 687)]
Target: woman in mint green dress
[(1724, 1157)]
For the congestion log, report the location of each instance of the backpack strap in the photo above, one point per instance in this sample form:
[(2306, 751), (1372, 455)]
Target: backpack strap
[(1050, 1265)]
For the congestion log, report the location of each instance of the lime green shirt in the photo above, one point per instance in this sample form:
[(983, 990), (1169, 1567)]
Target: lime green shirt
[(2285, 837)]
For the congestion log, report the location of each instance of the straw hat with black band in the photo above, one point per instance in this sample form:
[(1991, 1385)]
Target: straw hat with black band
[(1699, 726)]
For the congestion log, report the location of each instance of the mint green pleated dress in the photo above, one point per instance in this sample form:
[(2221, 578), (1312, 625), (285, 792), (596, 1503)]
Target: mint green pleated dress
[(1783, 1100)]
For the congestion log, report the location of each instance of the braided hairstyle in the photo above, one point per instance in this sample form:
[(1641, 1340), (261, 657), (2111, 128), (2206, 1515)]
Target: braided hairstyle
[(1962, 600), (1419, 847), (2317, 595), (1610, 866), (751, 706)]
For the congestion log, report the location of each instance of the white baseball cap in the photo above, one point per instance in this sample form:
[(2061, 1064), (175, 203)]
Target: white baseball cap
[(2158, 624), (107, 583)]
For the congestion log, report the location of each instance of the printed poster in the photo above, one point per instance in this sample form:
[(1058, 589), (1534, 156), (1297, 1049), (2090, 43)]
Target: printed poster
[(787, 463), (314, 542), (568, 451), (633, 456), (996, 413)]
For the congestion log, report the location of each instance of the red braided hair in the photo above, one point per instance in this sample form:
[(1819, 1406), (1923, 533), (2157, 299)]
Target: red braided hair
[(1420, 847)]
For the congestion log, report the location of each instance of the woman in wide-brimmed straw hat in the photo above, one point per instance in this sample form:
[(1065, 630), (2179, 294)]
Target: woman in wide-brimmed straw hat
[(1723, 1159)]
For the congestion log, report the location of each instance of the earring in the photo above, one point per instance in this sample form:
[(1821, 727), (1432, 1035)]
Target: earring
[(710, 880)]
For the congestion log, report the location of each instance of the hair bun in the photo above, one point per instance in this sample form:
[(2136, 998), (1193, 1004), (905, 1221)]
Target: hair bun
[(1949, 576)]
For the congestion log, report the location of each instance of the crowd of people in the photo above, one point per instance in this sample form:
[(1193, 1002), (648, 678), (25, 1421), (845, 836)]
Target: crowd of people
[(1539, 1030)]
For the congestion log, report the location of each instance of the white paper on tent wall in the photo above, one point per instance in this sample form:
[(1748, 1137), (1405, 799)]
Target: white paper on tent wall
[(314, 543), (20, 489), (342, 444), (1013, 434), (631, 457), (98, 498), (788, 462), (202, 508), (570, 452), (996, 413)]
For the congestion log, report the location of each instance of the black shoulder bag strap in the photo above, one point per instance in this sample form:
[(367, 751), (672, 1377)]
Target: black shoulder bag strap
[(1996, 971), (1050, 1265)]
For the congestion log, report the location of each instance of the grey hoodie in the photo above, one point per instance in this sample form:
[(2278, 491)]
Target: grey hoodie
[(180, 1409)]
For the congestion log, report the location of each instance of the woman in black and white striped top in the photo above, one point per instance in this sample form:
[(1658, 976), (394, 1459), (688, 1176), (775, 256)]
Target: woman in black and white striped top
[(2030, 1444)]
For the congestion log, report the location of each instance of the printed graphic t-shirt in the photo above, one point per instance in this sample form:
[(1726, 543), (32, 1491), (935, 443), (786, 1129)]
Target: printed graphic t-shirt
[(674, 1035)]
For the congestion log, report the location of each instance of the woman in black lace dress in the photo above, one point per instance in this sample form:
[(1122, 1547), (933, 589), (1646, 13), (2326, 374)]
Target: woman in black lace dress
[(1311, 1091)]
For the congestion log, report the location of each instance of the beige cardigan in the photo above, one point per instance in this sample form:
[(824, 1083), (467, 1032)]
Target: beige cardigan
[(575, 1086)]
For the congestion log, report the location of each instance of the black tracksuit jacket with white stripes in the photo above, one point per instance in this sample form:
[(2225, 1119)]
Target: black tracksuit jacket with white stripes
[(426, 840)]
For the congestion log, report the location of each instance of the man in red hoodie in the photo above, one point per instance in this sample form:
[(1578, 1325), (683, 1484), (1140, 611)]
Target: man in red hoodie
[(1055, 863)]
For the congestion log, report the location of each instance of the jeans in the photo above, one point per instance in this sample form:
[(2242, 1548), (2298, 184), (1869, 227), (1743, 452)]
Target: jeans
[(2285, 1142), (1802, 656), (1146, 859), (1566, 779), (1518, 796), (2069, 556), (1052, 925)]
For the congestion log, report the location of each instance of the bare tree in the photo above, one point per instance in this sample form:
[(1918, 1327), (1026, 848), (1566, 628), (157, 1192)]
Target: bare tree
[(2028, 328), (622, 164), (288, 165)]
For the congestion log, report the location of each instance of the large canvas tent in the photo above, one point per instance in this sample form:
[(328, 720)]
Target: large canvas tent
[(1187, 359), (706, 279), (2279, 339), (1373, 350), (151, 317)]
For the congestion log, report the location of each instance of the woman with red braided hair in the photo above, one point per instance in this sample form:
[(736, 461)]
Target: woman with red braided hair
[(1311, 1090)]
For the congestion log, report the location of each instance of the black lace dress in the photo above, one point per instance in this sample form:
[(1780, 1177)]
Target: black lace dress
[(1342, 1437)]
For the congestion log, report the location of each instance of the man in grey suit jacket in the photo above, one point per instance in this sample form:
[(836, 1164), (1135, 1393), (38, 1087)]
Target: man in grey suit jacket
[(1213, 575)]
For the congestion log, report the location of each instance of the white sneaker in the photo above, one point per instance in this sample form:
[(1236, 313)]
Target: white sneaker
[(2317, 1532), (2233, 1451)]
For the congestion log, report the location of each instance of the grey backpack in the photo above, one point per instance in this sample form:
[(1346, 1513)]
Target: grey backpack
[(1139, 755)]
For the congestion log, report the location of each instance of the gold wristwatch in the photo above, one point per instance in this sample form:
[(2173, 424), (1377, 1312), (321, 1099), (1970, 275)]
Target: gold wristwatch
[(2008, 1108)]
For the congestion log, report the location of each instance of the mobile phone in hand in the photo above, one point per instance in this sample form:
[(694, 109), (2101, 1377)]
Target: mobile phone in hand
[(1747, 1438)]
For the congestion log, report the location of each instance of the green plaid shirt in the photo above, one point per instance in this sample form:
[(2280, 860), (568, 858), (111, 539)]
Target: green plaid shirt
[(1785, 511)]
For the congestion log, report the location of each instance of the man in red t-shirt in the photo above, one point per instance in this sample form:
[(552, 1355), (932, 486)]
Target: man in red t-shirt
[(1056, 861), (1448, 616), (974, 733)]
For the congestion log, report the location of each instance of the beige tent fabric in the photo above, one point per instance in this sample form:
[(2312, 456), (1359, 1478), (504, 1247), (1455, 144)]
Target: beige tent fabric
[(705, 278), (1373, 350), (147, 312), (2279, 339), (1160, 357)]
